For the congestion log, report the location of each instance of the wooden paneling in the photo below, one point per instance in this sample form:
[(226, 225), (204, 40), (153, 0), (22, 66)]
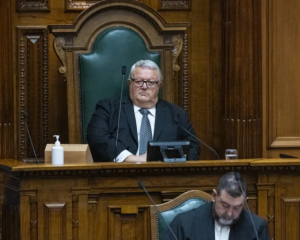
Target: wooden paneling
[(290, 218), (103, 200), (281, 59), (38, 71), (58, 110), (54, 214), (205, 82), (11, 210), (220, 77), (11, 223), (217, 107), (6, 82), (287, 210), (242, 77), (33, 89), (200, 76), (127, 225), (55, 221), (25, 217)]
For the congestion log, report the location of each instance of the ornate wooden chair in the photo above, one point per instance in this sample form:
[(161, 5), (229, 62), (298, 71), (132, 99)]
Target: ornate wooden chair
[(185, 202), (107, 36)]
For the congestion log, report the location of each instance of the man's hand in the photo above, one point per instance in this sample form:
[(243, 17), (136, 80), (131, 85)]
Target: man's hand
[(136, 158)]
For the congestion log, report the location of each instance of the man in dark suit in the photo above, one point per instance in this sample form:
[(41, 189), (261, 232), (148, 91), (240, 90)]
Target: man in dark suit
[(143, 118), (222, 219)]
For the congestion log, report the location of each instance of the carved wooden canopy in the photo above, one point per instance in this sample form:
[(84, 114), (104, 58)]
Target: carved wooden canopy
[(159, 36)]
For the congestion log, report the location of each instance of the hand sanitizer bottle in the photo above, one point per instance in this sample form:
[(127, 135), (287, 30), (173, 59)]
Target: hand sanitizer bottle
[(57, 153)]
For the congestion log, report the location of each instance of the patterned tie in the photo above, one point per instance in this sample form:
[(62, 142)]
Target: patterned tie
[(145, 131)]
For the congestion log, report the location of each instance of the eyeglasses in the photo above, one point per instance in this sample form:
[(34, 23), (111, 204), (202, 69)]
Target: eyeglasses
[(140, 82)]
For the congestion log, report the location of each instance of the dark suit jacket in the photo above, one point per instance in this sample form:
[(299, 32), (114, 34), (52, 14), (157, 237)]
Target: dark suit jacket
[(198, 224), (101, 133)]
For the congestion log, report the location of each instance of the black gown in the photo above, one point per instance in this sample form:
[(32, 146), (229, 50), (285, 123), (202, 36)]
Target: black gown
[(198, 224)]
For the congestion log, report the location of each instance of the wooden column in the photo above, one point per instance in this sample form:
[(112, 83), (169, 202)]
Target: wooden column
[(242, 77)]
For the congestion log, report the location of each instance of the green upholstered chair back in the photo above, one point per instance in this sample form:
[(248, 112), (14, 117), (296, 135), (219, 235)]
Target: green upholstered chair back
[(170, 210), (100, 70), (172, 213)]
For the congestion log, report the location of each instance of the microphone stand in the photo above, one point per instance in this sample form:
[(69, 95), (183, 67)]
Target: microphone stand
[(120, 107), (142, 186), (211, 149), (25, 115), (238, 178)]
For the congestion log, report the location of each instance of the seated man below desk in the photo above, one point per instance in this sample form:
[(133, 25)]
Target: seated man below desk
[(222, 219), (144, 118)]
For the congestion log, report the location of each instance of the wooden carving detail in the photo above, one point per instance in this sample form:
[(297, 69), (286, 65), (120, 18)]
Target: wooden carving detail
[(59, 44), (170, 171), (73, 5), (271, 218), (277, 168), (185, 75), (75, 223), (22, 93), (33, 90), (136, 11), (177, 41), (33, 224), (175, 4), (78, 5), (30, 6), (136, 171), (167, 39)]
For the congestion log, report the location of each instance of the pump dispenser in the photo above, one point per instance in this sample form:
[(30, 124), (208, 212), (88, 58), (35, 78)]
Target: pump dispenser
[(57, 152)]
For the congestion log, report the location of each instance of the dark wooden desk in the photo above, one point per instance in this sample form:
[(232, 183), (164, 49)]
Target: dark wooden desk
[(103, 200)]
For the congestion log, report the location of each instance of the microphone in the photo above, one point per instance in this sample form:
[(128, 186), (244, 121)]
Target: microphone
[(124, 68), (238, 179), (142, 186), (25, 115), (193, 135)]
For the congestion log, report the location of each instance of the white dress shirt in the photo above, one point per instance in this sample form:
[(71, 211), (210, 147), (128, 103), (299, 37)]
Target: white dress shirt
[(221, 232), (138, 119)]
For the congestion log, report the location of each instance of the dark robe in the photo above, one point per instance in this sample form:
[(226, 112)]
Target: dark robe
[(198, 224)]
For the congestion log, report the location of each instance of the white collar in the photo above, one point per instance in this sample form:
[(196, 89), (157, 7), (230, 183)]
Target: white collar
[(151, 110)]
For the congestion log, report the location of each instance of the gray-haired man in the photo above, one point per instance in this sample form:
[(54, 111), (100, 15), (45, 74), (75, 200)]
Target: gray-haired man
[(144, 117)]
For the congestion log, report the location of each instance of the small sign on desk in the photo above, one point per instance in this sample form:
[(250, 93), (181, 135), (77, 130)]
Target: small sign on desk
[(73, 153)]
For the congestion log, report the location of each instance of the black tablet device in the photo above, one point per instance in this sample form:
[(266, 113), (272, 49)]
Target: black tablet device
[(175, 151)]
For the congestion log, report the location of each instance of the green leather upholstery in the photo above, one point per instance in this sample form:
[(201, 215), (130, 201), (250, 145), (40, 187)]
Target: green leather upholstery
[(100, 70), (172, 213)]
